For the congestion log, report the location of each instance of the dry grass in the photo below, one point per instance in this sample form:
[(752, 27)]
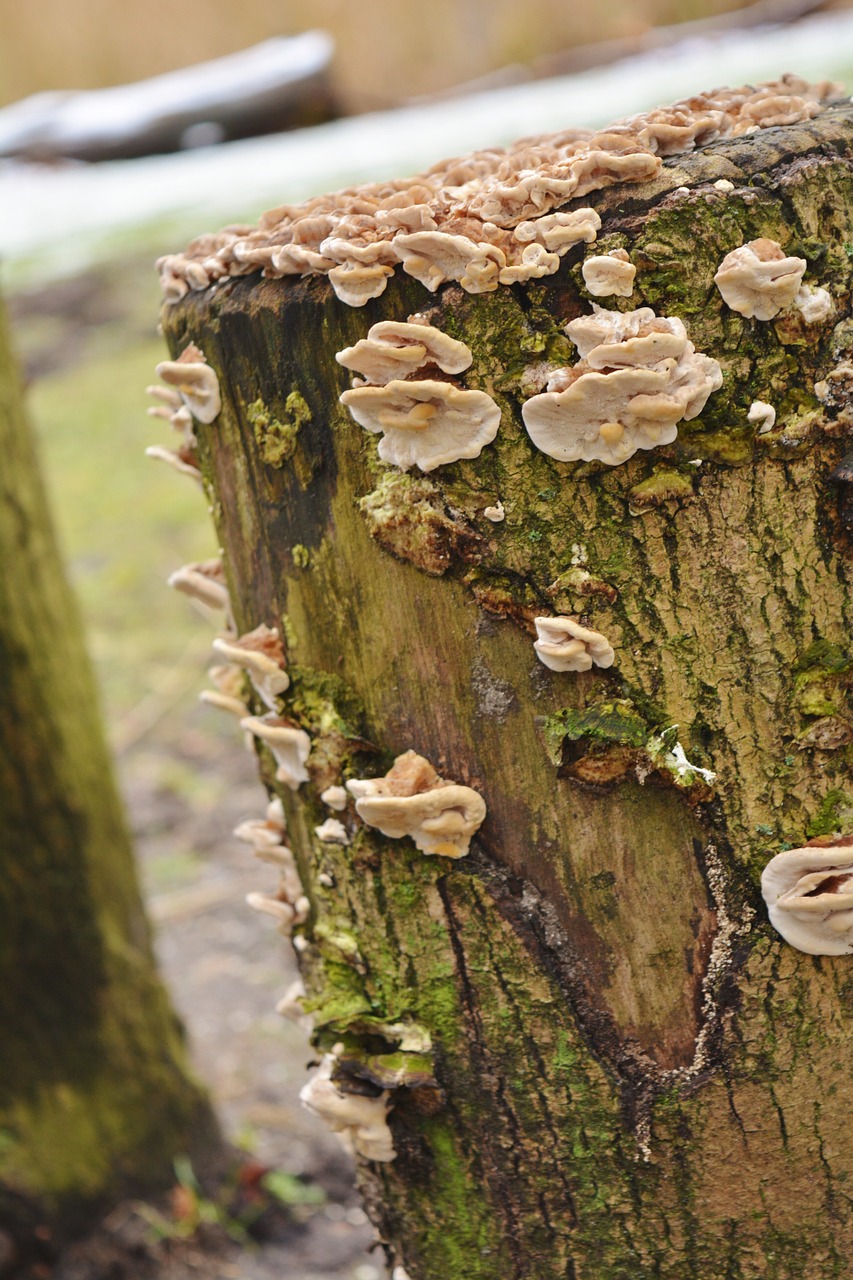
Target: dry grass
[(386, 53)]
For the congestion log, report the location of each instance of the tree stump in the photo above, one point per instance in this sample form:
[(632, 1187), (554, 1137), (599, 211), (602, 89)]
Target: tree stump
[(95, 1095), (600, 1060)]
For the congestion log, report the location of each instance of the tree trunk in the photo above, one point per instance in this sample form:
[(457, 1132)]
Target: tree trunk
[(631, 1073), (95, 1100)]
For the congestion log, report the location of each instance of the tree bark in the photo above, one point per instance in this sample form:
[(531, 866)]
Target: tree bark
[(95, 1099), (631, 1073)]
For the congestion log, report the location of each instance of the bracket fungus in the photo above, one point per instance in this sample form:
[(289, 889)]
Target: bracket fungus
[(335, 797), (395, 349), (412, 800), (360, 1120), (332, 831), (260, 653), (564, 645), (483, 220), (182, 460), (638, 377), (203, 581), (813, 303), (609, 275), (809, 896), (758, 280), (290, 746), (195, 382), (425, 423), (762, 413)]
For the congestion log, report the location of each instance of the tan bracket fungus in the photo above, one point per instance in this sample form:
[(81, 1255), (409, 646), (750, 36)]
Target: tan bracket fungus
[(195, 382), (758, 281), (290, 746), (809, 896), (360, 1121), (485, 219), (425, 423), (609, 275), (260, 653), (638, 377), (564, 645), (412, 800), (395, 349), (204, 581)]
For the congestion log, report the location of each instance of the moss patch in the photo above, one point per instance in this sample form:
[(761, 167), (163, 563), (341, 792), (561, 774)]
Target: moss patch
[(277, 437)]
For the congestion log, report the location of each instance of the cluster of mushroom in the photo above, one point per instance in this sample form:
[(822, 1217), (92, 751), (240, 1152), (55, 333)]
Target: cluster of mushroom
[(562, 644), (289, 906), (638, 377), (191, 391), (412, 800), (486, 219), (759, 281), (360, 1120), (424, 421), (809, 896)]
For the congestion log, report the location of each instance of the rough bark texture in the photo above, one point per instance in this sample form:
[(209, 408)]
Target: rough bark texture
[(94, 1096), (631, 1073)]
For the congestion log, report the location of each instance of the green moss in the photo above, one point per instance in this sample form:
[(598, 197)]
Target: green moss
[(664, 485), (835, 814), (615, 721), (277, 438)]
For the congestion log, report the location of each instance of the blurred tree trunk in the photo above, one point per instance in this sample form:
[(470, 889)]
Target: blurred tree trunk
[(95, 1099), (632, 1074)]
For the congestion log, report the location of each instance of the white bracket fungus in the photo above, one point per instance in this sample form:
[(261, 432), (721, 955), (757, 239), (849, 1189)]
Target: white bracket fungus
[(564, 645), (290, 746), (290, 1006), (412, 800), (195, 382), (425, 423), (757, 280), (181, 460), (496, 513), (332, 832), (260, 653), (203, 581), (224, 702), (762, 413), (609, 274), (286, 914), (266, 840), (360, 1121), (809, 896), (335, 797), (394, 349), (228, 695), (813, 303), (638, 377)]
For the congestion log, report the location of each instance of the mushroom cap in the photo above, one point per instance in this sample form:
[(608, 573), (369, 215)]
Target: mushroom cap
[(260, 653), (173, 459), (638, 377), (361, 1119), (757, 280), (425, 423), (809, 896), (195, 382), (813, 303), (434, 257), (609, 274), (203, 581), (223, 702), (332, 831), (290, 746), (335, 798), (441, 821), (393, 349), (564, 645), (558, 232)]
